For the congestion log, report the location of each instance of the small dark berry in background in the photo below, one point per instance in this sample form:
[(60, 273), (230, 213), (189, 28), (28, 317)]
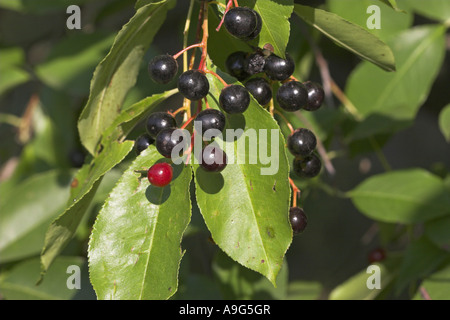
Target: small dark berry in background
[(307, 167), (211, 119), (376, 255), (316, 96), (301, 142), (260, 90), (243, 23), (158, 121), (166, 141), (143, 142), (298, 219), (278, 68), (160, 174), (76, 158), (235, 65), (254, 63), (163, 68), (214, 159), (292, 96), (234, 99), (193, 85)]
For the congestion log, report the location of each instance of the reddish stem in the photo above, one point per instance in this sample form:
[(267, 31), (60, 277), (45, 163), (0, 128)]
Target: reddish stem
[(175, 56), (295, 192), (217, 76), (230, 3)]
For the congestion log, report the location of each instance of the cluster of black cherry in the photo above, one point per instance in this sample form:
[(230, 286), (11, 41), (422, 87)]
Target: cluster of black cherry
[(259, 69)]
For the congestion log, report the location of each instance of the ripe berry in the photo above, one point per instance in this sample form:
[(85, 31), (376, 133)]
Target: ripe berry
[(211, 119), (301, 142), (307, 167), (158, 121), (315, 96), (254, 63), (214, 159), (376, 255), (234, 99), (235, 65), (160, 174), (163, 68), (292, 96), (167, 139), (193, 85), (298, 219), (142, 143), (260, 90), (243, 23), (279, 69)]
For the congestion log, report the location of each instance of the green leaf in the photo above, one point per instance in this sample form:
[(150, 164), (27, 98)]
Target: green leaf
[(387, 99), (404, 196), (27, 209), (275, 29), (437, 231), (444, 122), (19, 283), (304, 290), (12, 77), (79, 51), (134, 249), (129, 116), (117, 73), (84, 186), (355, 11), (348, 35), (434, 9), (421, 258), (436, 285), (245, 206), (355, 288), (392, 4)]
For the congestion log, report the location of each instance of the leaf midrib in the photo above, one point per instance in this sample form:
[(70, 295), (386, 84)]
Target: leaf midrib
[(152, 236)]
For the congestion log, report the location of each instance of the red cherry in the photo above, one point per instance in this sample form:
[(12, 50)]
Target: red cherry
[(160, 174)]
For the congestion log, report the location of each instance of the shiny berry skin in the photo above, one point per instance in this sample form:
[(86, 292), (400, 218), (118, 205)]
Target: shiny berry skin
[(214, 159), (166, 140), (243, 23), (193, 85), (376, 255), (255, 63), (163, 68), (143, 142), (307, 167), (211, 119), (292, 96), (158, 121), (160, 174), (301, 142), (260, 90), (234, 99), (235, 65), (279, 69), (298, 219), (316, 96)]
